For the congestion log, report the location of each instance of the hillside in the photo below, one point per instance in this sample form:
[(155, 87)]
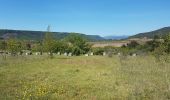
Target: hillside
[(116, 37), (37, 35), (159, 32)]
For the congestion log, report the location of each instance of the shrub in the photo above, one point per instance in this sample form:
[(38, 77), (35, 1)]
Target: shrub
[(14, 46), (133, 44), (98, 51), (166, 43)]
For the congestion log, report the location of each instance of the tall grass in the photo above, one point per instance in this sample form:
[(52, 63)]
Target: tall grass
[(87, 78)]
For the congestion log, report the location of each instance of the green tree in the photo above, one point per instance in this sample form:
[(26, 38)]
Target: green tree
[(167, 43), (37, 47), (3, 45), (163, 49), (14, 46), (61, 46), (98, 50), (49, 42), (78, 44)]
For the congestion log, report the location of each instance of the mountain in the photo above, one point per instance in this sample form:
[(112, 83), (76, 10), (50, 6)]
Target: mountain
[(115, 37), (159, 32), (38, 35)]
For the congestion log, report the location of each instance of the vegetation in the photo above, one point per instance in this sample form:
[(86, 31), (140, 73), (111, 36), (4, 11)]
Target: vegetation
[(48, 42), (62, 47), (38, 35), (160, 32), (76, 78), (158, 46), (78, 44), (120, 75), (98, 51), (14, 46), (73, 43), (3, 45)]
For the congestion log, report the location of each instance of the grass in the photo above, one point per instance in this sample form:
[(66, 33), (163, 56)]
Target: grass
[(84, 78)]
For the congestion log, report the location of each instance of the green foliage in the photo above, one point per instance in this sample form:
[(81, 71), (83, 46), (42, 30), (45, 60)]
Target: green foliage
[(132, 44), (130, 48), (109, 50), (38, 35), (160, 32), (167, 43), (3, 45), (61, 46), (154, 44), (49, 43), (14, 46), (78, 44), (98, 51), (162, 48), (37, 47)]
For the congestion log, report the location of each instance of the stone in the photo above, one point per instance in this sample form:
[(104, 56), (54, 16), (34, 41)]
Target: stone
[(104, 53), (86, 55), (37, 53), (58, 53), (91, 54), (26, 54), (118, 54), (65, 54), (70, 54), (134, 55)]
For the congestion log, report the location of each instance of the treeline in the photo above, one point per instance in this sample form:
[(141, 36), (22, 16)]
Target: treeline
[(77, 45), (74, 44)]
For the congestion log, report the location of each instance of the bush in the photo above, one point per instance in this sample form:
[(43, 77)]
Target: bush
[(14, 46), (166, 43), (3, 45), (133, 44), (109, 50), (98, 51)]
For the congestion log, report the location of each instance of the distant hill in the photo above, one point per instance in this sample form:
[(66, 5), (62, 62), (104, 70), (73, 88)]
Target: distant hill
[(159, 32), (38, 35), (115, 37)]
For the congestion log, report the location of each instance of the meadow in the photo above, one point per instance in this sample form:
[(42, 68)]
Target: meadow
[(84, 78)]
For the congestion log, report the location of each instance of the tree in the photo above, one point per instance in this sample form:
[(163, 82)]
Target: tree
[(98, 50), (3, 45), (78, 44), (37, 47), (61, 46), (49, 42), (28, 46), (14, 46), (163, 48), (166, 43)]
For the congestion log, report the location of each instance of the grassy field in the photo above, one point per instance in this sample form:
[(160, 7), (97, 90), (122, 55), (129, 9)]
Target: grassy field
[(84, 78)]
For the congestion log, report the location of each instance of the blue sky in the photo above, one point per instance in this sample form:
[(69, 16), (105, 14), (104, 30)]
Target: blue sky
[(100, 17)]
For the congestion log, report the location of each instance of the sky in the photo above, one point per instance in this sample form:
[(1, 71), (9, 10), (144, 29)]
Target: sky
[(92, 17)]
